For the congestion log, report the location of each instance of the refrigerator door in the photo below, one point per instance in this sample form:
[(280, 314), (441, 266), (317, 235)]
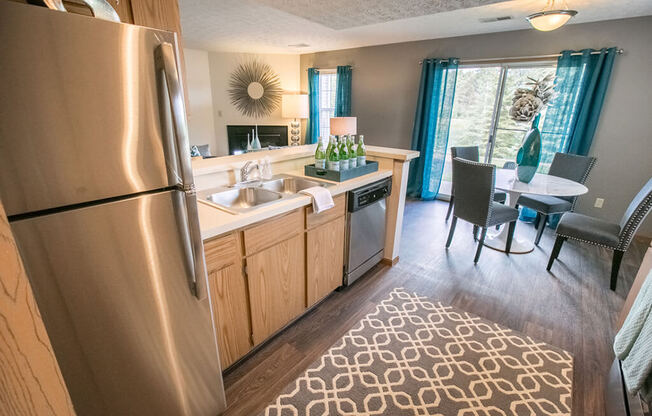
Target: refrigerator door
[(111, 282), (81, 115)]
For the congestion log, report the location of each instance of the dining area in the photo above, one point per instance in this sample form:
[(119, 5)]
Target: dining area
[(493, 200)]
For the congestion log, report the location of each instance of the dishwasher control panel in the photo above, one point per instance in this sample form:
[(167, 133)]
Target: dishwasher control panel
[(367, 195)]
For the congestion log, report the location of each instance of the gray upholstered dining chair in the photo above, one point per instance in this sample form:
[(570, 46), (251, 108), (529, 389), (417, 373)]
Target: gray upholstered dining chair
[(471, 153), (616, 237), (474, 201), (567, 166)]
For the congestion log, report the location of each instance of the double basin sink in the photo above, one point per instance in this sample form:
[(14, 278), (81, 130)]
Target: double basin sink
[(246, 197)]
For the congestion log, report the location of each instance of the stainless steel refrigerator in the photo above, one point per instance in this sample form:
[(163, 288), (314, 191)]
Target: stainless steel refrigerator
[(95, 178)]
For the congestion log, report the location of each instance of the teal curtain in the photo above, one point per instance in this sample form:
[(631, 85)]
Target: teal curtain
[(572, 117), (312, 132), (431, 126), (343, 92)]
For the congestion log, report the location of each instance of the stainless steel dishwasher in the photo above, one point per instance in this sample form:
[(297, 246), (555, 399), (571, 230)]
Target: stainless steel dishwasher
[(365, 228)]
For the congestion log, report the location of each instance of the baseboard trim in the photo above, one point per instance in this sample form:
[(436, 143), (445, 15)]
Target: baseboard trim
[(390, 262)]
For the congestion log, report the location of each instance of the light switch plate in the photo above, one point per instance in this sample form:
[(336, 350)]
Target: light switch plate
[(598, 202)]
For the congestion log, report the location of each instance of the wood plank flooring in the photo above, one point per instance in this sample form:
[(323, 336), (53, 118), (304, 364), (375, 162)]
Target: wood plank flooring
[(571, 308)]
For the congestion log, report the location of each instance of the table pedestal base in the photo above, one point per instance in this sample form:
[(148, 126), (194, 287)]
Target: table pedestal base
[(499, 241)]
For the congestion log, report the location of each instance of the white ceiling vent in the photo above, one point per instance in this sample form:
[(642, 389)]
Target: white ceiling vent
[(495, 19)]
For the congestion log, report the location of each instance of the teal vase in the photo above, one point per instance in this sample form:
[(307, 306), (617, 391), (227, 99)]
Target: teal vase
[(529, 154)]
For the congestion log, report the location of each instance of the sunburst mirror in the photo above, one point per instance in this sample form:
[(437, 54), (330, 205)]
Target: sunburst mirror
[(255, 89)]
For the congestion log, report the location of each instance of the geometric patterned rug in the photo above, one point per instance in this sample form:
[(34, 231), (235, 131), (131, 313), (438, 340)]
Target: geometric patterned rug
[(415, 357)]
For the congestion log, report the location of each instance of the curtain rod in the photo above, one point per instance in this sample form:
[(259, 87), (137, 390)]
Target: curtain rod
[(619, 51), (330, 69)]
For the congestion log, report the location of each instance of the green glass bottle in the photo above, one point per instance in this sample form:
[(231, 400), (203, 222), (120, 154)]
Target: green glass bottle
[(362, 151), (320, 155), (353, 157), (333, 162), (330, 144), (344, 153)]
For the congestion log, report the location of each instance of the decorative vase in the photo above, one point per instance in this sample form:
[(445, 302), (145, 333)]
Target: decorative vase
[(529, 154)]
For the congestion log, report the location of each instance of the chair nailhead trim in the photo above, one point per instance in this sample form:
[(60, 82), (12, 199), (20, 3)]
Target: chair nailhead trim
[(630, 228), (627, 234), (587, 241)]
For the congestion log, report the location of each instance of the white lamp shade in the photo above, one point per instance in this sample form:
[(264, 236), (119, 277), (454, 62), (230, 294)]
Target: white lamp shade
[(548, 22), (344, 125), (295, 106)]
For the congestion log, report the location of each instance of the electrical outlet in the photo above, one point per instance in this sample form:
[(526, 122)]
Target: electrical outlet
[(598, 202)]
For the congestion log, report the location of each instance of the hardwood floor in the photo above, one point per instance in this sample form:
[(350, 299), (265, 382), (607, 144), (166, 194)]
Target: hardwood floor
[(571, 307)]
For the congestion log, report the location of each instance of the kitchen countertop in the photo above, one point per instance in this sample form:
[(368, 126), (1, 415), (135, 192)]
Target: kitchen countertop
[(227, 163), (213, 221)]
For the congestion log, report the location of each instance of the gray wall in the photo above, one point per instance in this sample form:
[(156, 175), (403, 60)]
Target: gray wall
[(386, 80)]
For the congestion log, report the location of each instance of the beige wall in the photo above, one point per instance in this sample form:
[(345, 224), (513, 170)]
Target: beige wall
[(201, 126), (221, 65), (211, 110), (386, 79)]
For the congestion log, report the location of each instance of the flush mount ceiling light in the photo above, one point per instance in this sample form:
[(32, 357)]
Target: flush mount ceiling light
[(551, 18)]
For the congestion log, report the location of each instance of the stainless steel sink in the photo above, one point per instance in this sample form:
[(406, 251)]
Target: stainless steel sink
[(290, 185), (242, 199)]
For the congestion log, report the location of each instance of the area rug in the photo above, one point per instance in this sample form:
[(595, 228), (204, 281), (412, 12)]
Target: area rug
[(414, 356)]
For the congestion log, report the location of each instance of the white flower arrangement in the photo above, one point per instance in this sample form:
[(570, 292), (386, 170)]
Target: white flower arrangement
[(528, 102)]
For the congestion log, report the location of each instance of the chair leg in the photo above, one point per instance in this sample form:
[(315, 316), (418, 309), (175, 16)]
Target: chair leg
[(542, 226), (451, 231), (555, 251), (537, 219), (483, 234), (475, 232), (450, 207), (615, 267), (510, 236)]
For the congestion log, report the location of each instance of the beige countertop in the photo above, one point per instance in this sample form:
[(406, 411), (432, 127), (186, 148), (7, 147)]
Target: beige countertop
[(213, 221), (226, 163)]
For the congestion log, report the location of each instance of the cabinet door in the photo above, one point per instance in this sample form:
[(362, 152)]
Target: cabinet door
[(231, 313), (277, 286), (325, 259)]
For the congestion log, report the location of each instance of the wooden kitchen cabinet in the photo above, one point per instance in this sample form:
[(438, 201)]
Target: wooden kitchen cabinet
[(325, 259), (229, 299), (277, 286), (231, 313)]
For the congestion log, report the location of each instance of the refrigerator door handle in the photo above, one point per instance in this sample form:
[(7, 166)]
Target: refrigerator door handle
[(187, 217), (166, 62)]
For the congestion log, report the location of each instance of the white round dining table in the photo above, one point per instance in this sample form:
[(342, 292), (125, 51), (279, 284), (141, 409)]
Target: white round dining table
[(541, 184)]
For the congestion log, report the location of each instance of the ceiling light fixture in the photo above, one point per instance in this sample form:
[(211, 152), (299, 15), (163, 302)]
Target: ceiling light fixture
[(551, 18)]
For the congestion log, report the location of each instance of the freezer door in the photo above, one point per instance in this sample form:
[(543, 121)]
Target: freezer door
[(84, 113), (111, 282)]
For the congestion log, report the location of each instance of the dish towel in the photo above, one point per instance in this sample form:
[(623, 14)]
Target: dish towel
[(633, 343), (321, 198)]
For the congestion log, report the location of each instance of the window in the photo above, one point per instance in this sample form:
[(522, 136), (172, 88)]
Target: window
[(476, 118), (327, 91)]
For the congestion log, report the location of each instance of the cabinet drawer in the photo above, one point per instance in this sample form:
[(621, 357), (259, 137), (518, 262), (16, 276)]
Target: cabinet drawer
[(273, 231), (222, 251), (313, 220)]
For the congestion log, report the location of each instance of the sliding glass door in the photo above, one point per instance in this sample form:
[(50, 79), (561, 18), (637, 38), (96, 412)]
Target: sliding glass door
[(483, 97)]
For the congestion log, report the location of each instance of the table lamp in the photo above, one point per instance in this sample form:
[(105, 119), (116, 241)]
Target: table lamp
[(344, 125), (295, 107)]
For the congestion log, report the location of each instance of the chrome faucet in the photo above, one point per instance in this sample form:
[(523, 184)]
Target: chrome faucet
[(246, 170)]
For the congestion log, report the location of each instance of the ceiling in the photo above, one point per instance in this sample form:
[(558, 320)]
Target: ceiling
[(287, 26)]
